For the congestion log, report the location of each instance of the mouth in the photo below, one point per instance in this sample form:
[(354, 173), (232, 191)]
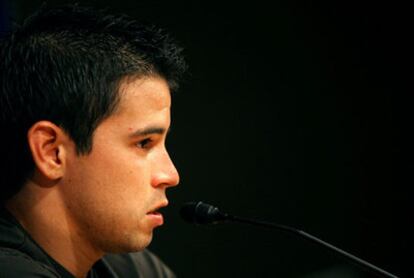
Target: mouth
[(156, 210), (155, 215)]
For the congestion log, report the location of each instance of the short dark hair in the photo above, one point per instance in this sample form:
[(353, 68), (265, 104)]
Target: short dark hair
[(65, 65)]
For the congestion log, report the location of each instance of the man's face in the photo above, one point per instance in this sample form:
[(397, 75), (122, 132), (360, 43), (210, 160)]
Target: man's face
[(111, 194)]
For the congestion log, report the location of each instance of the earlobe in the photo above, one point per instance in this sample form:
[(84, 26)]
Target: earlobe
[(47, 146)]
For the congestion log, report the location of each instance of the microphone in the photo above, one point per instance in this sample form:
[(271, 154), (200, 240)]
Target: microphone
[(201, 213)]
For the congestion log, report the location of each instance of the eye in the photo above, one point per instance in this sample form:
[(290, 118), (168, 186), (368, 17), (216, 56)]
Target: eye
[(145, 143)]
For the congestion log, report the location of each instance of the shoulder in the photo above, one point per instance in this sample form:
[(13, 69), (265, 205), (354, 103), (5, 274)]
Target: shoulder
[(141, 264), (14, 263)]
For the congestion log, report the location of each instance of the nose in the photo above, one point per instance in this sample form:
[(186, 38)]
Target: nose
[(165, 174)]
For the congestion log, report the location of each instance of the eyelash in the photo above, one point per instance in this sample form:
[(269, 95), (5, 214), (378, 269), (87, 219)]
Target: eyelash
[(143, 144)]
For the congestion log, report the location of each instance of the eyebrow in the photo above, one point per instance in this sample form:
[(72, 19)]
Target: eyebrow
[(149, 130)]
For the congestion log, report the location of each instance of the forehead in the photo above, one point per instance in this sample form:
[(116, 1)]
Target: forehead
[(143, 103), (144, 93)]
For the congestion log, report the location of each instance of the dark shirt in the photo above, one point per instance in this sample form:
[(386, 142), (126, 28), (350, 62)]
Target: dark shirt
[(21, 256)]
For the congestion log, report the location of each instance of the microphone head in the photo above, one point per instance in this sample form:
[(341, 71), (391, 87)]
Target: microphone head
[(201, 213)]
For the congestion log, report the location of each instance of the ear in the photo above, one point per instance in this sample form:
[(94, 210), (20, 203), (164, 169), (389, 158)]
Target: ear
[(48, 144)]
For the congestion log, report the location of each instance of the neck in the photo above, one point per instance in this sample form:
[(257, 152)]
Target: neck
[(43, 214)]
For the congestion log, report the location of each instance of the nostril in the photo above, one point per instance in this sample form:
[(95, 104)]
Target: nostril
[(166, 179)]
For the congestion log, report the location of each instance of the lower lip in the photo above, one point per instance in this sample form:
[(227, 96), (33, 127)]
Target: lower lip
[(156, 218)]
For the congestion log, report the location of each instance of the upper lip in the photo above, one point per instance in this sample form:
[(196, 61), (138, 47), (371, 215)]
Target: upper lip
[(159, 206)]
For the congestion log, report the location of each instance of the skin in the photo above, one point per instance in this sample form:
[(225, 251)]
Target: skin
[(78, 208)]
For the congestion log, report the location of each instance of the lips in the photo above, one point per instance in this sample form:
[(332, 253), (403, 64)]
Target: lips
[(156, 208), (154, 216)]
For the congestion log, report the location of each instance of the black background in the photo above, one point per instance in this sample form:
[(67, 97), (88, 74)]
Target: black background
[(294, 112)]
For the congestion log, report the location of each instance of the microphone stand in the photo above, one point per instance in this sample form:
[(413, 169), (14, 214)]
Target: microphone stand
[(352, 258)]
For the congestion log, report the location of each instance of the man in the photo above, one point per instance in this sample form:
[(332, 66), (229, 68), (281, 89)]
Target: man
[(84, 114)]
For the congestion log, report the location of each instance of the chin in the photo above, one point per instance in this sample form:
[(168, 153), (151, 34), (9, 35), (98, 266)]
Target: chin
[(132, 244), (142, 244)]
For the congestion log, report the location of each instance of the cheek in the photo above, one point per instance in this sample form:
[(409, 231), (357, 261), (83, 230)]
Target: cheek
[(111, 191), (112, 175), (120, 177)]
